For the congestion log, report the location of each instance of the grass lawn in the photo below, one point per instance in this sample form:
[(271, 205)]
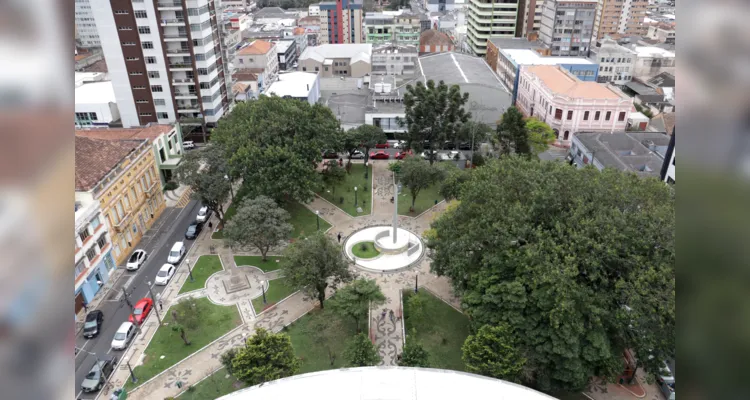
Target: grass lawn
[(425, 200), (442, 331), (202, 269), (345, 189), (303, 220), (257, 261), (277, 290), (215, 386), (168, 343), (314, 355), (369, 250)]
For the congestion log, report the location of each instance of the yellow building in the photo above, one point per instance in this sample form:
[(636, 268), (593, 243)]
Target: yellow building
[(122, 175)]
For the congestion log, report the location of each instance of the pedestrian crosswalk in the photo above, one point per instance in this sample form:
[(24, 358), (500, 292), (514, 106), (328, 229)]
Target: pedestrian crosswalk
[(184, 199)]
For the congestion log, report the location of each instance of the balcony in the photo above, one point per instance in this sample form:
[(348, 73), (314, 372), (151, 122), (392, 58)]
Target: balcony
[(183, 81), (169, 5), (172, 22), (123, 224), (178, 52), (180, 67), (185, 95), (179, 37), (191, 121), (188, 108)]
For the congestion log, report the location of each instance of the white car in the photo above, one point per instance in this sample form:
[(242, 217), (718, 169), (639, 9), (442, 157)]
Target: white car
[(356, 154), (188, 144), (136, 260), (123, 336), (395, 144), (203, 214), (165, 274)]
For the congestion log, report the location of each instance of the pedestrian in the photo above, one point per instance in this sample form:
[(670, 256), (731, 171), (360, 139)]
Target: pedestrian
[(341, 161), (161, 306), (85, 306), (339, 237), (382, 316), (390, 315), (210, 225)]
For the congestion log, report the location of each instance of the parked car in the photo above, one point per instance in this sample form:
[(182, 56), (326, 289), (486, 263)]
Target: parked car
[(464, 146), (429, 153), (356, 154), (123, 336), (176, 254), (193, 230), (396, 144), (402, 154), (188, 144), (382, 145), (136, 260), (93, 322), (97, 377), (448, 145), (141, 310), (379, 155), (330, 154), (203, 214), (165, 274)]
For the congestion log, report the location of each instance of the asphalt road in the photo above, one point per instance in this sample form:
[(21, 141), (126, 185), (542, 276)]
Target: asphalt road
[(392, 152), (168, 229)]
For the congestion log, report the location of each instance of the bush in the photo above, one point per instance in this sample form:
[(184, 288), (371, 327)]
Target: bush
[(171, 185), (227, 357), (363, 246), (478, 160)]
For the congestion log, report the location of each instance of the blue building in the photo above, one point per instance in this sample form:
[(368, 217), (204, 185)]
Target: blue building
[(93, 258)]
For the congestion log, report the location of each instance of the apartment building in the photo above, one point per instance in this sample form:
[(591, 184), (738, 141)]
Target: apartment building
[(392, 59), (439, 5), (569, 105), (620, 16), (121, 176), (664, 33), (492, 18), (341, 22), (652, 61), (93, 253), (286, 51), (85, 25), (260, 56), (334, 60), (392, 27), (616, 62), (165, 60), (567, 26), (313, 10), (532, 17)]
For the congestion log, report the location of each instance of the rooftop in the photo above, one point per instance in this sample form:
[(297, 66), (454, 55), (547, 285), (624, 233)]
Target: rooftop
[(515, 43), (150, 132), (293, 84), (283, 45), (95, 93), (255, 48), (393, 48), (561, 82), (664, 79), (322, 52), (95, 158), (531, 57), (247, 74), (432, 37), (651, 51), (639, 152)]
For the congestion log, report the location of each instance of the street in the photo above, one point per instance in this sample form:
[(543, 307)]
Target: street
[(169, 228)]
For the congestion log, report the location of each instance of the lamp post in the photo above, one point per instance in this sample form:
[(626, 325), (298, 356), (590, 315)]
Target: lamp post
[(153, 299), (317, 218), (190, 270), (231, 191), (416, 282), (203, 127), (132, 374), (355, 196), (263, 289)]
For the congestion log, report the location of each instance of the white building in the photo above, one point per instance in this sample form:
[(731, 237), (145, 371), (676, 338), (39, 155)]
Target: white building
[(313, 10), (96, 105), (616, 62), (394, 60), (161, 73), (88, 36), (93, 258), (261, 57), (491, 18), (651, 61), (297, 85)]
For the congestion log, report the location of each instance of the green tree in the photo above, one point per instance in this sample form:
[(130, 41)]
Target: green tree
[(324, 332), (227, 357), (434, 113), (260, 223), (540, 135), (366, 137), (360, 352), (414, 355), (203, 170), (315, 264), (266, 357), (356, 299), (333, 174), (511, 133), (276, 144), (450, 179), (416, 304), (187, 315), (492, 352), (579, 264), (473, 131), (415, 175)]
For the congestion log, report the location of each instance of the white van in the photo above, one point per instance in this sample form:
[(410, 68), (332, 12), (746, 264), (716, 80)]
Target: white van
[(176, 254)]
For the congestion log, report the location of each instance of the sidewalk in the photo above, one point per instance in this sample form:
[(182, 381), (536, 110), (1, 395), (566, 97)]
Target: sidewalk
[(114, 276)]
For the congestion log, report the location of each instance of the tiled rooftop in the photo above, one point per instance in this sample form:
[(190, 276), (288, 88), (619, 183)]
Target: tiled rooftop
[(563, 83), (150, 132), (95, 158)]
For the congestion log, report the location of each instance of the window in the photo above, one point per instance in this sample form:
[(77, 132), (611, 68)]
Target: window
[(80, 267), (140, 14), (558, 113), (144, 29), (162, 115), (134, 73), (91, 254), (326, 68), (128, 43), (142, 101), (138, 87), (132, 59), (608, 116), (147, 45), (242, 61), (202, 71), (304, 68), (95, 223), (317, 69), (84, 234), (585, 115), (160, 102), (153, 74), (102, 241), (145, 114), (125, 28), (596, 116), (570, 115), (120, 12), (621, 117), (150, 60)]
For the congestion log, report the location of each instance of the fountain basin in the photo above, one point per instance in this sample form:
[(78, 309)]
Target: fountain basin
[(401, 255)]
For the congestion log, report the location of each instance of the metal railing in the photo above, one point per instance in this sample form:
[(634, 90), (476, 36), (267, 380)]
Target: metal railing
[(188, 107), (178, 51), (184, 80), (177, 36), (173, 21), (176, 65), (168, 4)]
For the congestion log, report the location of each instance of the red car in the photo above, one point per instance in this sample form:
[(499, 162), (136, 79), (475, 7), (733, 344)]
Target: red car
[(382, 145), (380, 155), (402, 154), (142, 308)]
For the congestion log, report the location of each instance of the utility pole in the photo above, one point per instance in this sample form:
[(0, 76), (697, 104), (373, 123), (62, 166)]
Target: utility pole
[(153, 299), (132, 311)]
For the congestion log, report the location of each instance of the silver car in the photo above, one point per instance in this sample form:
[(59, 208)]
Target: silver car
[(98, 375), (123, 336)]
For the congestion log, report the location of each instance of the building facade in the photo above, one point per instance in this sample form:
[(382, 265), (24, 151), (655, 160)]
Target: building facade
[(668, 168), (620, 16), (532, 17), (85, 25), (489, 18), (433, 41), (303, 86), (567, 26), (616, 62), (341, 22), (122, 177), (652, 61), (96, 105), (394, 60), (313, 10), (93, 253), (165, 60), (259, 55), (286, 51), (662, 32), (392, 27), (568, 105), (337, 60), (439, 5)]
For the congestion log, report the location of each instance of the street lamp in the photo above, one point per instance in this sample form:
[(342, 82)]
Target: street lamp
[(203, 127), (263, 289), (190, 270), (153, 299), (317, 218), (231, 191), (355, 196)]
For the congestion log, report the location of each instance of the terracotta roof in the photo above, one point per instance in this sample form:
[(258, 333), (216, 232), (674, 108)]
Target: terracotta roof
[(240, 87), (150, 132), (95, 158), (309, 20), (560, 82), (432, 37), (97, 66), (298, 31), (668, 119), (247, 74), (257, 47)]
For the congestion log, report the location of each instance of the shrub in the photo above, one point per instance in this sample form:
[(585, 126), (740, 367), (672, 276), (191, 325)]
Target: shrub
[(227, 357), (171, 185)]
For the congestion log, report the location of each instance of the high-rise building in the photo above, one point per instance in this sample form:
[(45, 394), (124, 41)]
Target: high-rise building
[(87, 34), (392, 27), (620, 16), (567, 26), (341, 22), (165, 60), (492, 18), (532, 18)]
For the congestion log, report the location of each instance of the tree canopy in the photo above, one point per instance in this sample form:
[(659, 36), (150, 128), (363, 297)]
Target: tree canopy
[(364, 137), (360, 352), (276, 144), (265, 357), (416, 174), (511, 133), (434, 113), (314, 264), (492, 352), (356, 299), (203, 170), (579, 264), (450, 179), (540, 135), (414, 355), (260, 223)]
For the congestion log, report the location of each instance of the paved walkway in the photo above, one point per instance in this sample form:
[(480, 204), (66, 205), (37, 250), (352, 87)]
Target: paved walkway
[(237, 286)]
